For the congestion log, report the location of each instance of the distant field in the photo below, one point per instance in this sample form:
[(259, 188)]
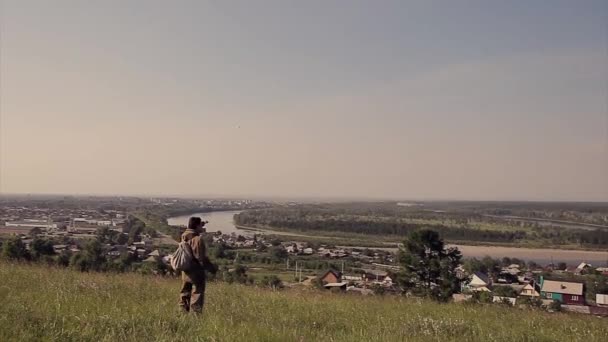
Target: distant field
[(382, 223), (42, 304)]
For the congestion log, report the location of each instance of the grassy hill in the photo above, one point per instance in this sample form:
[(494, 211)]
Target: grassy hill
[(40, 303)]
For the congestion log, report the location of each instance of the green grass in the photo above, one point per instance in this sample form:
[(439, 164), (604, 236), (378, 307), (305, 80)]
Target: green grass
[(46, 304)]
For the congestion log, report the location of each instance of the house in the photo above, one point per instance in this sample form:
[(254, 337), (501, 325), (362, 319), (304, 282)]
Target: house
[(529, 291), (513, 270), (375, 275), (331, 277), (308, 251), (563, 291), (480, 282), (582, 268), (602, 270)]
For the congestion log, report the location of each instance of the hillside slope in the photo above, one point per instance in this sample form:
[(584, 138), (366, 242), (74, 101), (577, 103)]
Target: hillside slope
[(39, 303)]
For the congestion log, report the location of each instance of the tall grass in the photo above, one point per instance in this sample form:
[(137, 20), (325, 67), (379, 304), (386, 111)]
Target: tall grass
[(43, 304)]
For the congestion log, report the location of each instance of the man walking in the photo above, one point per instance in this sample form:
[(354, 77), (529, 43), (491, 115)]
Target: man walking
[(192, 294)]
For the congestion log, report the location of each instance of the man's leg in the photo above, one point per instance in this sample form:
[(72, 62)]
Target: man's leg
[(198, 297), (184, 296)]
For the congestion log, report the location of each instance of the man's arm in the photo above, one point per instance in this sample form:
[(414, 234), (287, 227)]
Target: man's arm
[(203, 258)]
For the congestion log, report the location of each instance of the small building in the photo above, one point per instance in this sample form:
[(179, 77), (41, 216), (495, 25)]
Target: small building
[(59, 248), (114, 253), (352, 278), (331, 277), (582, 268), (498, 299), (529, 291), (341, 286), (601, 299), (568, 293)]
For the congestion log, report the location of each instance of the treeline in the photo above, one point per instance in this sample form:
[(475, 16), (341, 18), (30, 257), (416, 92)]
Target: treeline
[(310, 220), (382, 228)]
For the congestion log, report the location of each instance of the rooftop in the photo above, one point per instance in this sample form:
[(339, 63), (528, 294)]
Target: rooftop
[(562, 287)]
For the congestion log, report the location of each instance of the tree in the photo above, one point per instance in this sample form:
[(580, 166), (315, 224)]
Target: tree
[(63, 259), (220, 251), (278, 253), (429, 268), (90, 259), (272, 281), (93, 253), (35, 232), (122, 239), (472, 265), (491, 265), (41, 247), (261, 247), (14, 249), (562, 266), (505, 291)]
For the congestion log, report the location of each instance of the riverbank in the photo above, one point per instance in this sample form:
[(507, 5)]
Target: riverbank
[(539, 255), (395, 240)]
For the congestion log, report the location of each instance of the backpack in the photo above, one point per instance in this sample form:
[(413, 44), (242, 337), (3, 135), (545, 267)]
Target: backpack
[(181, 259)]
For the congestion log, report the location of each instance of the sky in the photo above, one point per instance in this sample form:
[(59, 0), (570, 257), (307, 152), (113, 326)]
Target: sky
[(472, 100)]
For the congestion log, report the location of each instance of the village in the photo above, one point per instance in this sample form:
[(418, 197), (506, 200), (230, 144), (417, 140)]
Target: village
[(333, 268)]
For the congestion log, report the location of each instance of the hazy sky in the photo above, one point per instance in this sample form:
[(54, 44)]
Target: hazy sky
[(367, 99)]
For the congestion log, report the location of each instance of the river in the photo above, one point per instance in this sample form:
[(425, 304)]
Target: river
[(218, 221), (223, 221)]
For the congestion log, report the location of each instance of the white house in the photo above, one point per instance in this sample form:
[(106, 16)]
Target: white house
[(529, 291), (479, 282)]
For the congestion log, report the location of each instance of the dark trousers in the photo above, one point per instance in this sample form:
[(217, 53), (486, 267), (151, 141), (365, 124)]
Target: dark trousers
[(192, 294)]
